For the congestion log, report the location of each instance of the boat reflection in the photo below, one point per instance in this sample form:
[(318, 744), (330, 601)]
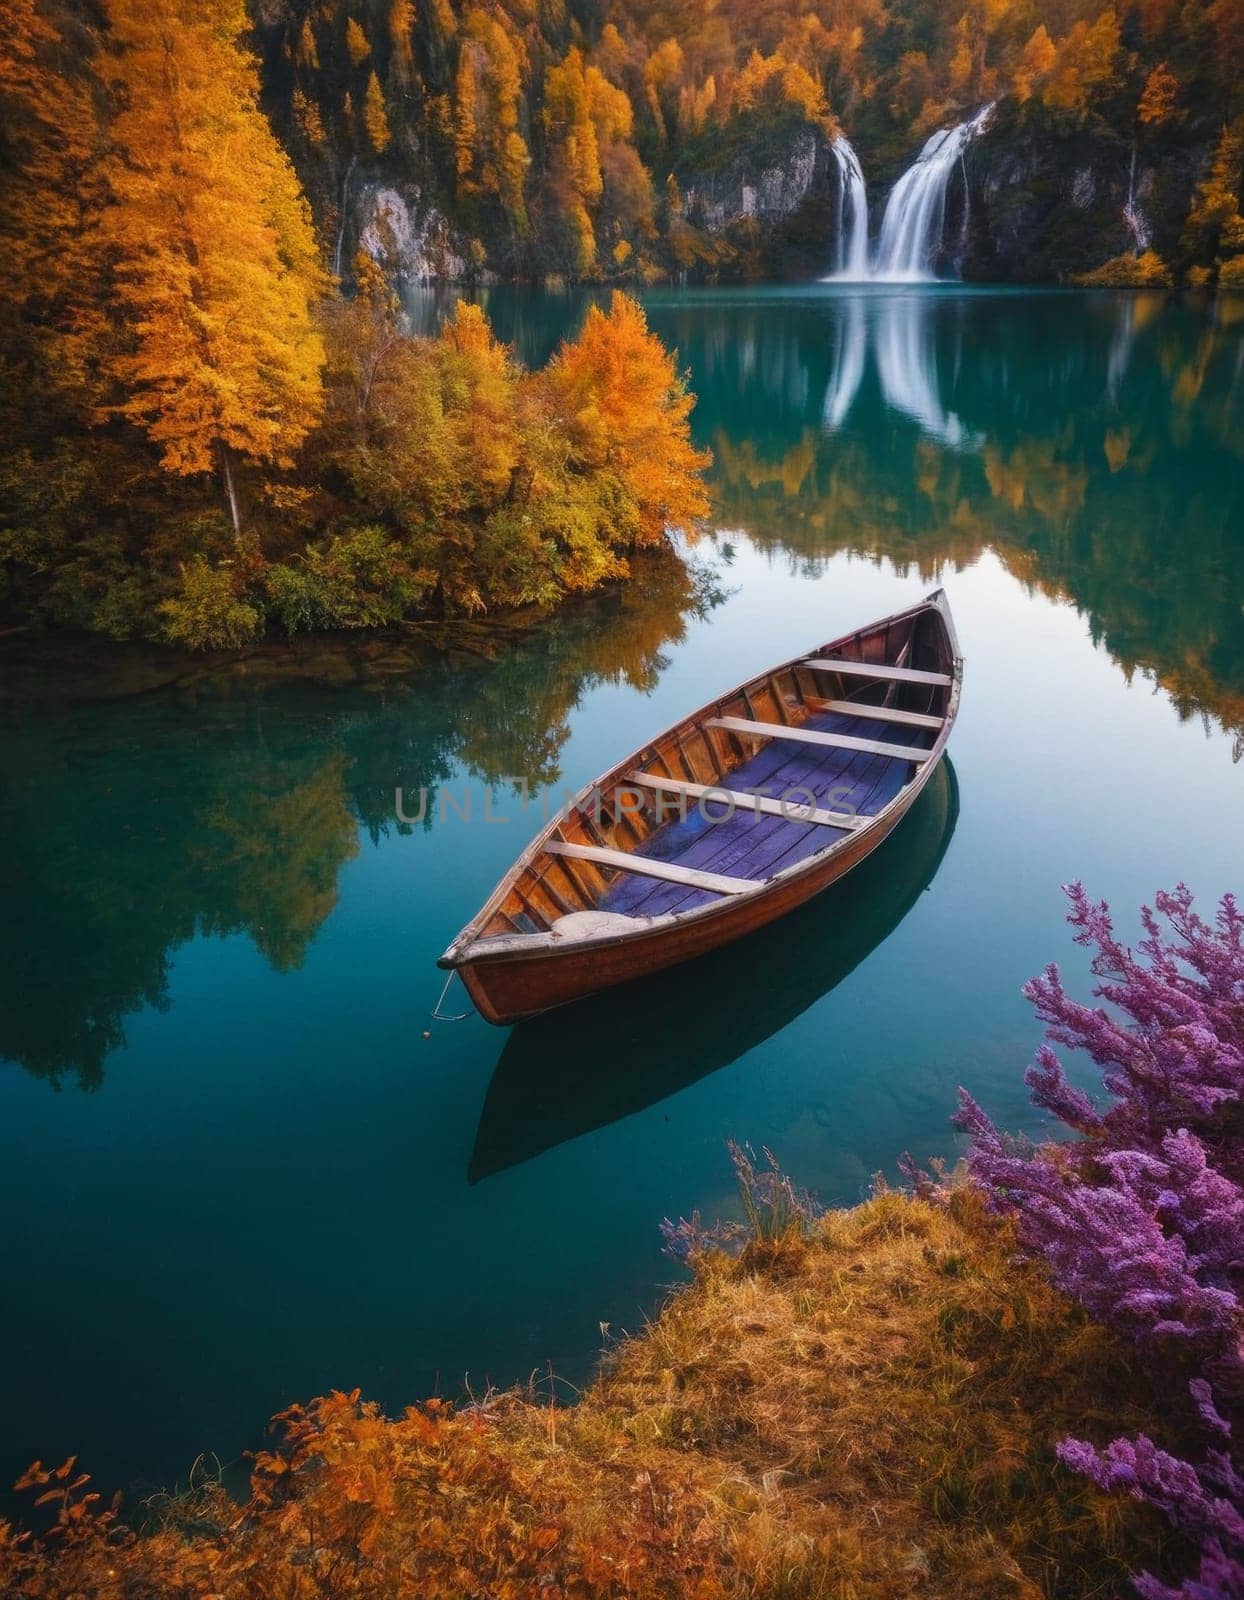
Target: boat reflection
[(587, 1065)]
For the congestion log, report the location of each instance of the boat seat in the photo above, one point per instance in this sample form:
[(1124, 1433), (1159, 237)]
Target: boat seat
[(869, 669), (839, 741), (647, 867), (856, 708), (588, 924)]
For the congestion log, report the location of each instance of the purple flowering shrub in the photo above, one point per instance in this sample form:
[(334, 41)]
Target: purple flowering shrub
[(1141, 1219)]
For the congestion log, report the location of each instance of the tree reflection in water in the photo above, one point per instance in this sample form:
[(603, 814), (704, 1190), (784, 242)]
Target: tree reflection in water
[(134, 827)]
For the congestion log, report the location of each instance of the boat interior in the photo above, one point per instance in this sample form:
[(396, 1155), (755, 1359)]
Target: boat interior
[(830, 740)]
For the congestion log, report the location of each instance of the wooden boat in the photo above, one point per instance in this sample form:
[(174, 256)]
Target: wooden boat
[(651, 1039), (727, 820)]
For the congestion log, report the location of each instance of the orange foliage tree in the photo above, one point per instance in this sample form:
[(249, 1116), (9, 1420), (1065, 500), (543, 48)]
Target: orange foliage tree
[(1157, 99), (627, 410), (50, 187), (215, 259)]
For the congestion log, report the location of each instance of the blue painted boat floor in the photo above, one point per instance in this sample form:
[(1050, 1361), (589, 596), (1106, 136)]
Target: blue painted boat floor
[(747, 845)]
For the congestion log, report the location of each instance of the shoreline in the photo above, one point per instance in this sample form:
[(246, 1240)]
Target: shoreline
[(47, 668), (872, 1404)]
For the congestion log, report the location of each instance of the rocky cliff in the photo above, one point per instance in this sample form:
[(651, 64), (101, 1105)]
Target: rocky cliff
[(1045, 204)]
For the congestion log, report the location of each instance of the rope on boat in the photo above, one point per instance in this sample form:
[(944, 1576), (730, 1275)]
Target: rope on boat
[(438, 1015)]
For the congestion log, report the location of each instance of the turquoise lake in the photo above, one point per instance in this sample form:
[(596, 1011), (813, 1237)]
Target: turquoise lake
[(234, 1172)]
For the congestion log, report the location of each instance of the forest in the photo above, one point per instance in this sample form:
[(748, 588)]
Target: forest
[(209, 439), (639, 139), (218, 428)]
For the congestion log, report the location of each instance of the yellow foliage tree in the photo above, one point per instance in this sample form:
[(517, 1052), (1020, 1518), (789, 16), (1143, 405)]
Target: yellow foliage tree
[(375, 120), (464, 125), (626, 410), (769, 82), (1035, 64), (306, 54), (663, 77), (576, 179), (479, 385), (1085, 66), (216, 263), (401, 27), (1157, 99), (358, 46), (51, 188), (307, 116), (1215, 226), (491, 154)]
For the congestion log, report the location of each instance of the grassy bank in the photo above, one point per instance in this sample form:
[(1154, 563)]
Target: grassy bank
[(870, 1410)]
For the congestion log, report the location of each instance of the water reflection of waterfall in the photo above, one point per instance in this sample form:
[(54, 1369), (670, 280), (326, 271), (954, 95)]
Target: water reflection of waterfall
[(915, 213), (899, 328), (849, 356), (1120, 348)]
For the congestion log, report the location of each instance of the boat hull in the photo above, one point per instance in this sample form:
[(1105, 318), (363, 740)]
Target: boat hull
[(512, 985)]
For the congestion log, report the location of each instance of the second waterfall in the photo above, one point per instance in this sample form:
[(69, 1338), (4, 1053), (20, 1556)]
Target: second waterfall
[(852, 212)]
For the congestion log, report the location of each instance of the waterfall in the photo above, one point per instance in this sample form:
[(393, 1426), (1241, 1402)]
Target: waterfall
[(852, 237), (341, 230), (915, 213), (1133, 216)]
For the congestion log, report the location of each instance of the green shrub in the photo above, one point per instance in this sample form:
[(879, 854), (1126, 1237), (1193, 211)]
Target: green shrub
[(207, 612), (360, 579)]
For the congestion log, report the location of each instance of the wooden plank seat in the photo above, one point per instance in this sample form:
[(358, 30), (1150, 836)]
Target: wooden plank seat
[(793, 811), (647, 867), (840, 741), (856, 708), (866, 669)]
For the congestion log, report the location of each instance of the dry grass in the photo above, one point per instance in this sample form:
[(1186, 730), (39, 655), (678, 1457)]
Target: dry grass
[(879, 1407)]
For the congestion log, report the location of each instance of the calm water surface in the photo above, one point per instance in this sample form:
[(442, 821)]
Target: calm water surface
[(233, 1172)]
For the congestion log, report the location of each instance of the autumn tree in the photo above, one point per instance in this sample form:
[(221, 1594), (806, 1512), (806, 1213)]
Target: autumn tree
[(375, 119), (1157, 99), (51, 189), (663, 78), (772, 84), (627, 411), (401, 28), (575, 177), (306, 52), (1085, 67), (307, 119), (490, 152), (1214, 231), (358, 46), (215, 259), (1036, 62)]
